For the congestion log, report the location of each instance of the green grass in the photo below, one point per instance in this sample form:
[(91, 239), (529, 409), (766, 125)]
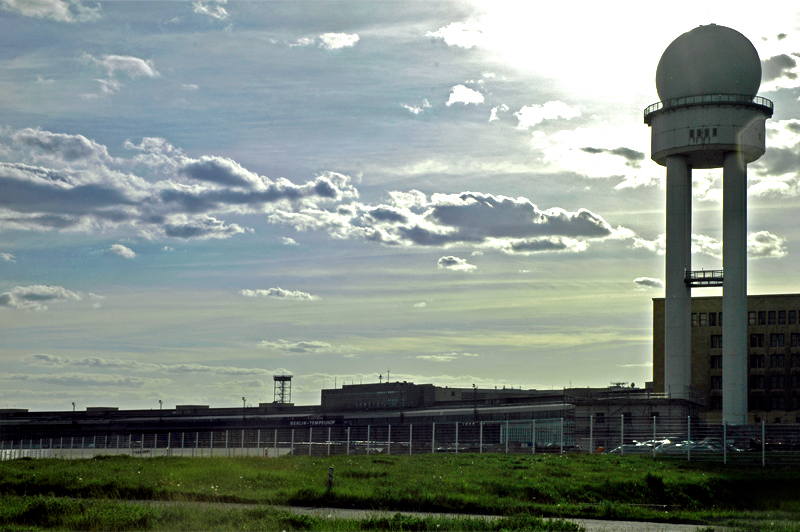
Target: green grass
[(516, 486)]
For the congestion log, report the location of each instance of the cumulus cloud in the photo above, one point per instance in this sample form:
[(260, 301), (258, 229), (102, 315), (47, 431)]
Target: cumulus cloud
[(461, 34), (336, 41), (495, 110), (286, 241), (455, 264), (75, 185), (482, 221), (7, 257), (35, 297), (59, 10), (122, 251), (280, 293), (421, 304), (213, 10), (649, 282), (765, 245), (465, 95), (531, 115)]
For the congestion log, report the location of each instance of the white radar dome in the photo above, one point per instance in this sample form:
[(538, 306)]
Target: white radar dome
[(708, 60)]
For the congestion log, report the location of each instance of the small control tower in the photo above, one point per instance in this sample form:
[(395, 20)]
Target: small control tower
[(282, 389), (709, 117)]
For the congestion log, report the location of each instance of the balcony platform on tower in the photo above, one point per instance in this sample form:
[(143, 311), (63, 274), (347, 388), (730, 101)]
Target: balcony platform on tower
[(703, 278)]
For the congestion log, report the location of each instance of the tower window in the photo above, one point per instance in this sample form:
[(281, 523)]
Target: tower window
[(691, 133), (716, 341), (781, 317), (772, 317), (751, 318), (703, 319), (762, 317), (792, 317), (714, 132), (712, 319), (694, 319)]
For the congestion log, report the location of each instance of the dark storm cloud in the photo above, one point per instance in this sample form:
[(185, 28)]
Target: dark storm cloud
[(221, 171), (632, 157), (778, 66)]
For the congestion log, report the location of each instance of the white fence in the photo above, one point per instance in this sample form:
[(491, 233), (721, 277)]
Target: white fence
[(683, 438)]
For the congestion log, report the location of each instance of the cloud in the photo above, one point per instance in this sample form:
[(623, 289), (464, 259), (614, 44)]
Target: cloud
[(43, 359), (59, 147), (336, 41), (297, 347), (632, 157), (779, 66), (87, 379), (189, 87), (765, 245), (7, 257), (461, 34), (649, 282), (122, 251), (465, 95), (416, 109), (445, 357), (286, 241), (280, 293), (421, 304), (455, 264), (132, 66), (499, 109), (212, 10), (59, 10), (77, 186), (482, 221), (201, 228), (637, 181), (531, 115), (34, 297), (760, 245)]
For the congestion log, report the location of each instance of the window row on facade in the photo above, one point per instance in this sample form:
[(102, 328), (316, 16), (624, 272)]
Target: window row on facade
[(759, 382), (772, 317), (759, 317), (759, 361)]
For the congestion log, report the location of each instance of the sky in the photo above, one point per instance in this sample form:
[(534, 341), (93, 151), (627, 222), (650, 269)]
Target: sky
[(198, 195)]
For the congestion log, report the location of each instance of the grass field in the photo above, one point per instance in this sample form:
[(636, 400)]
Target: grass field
[(91, 494)]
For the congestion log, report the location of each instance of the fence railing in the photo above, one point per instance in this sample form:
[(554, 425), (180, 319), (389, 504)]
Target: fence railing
[(683, 438)]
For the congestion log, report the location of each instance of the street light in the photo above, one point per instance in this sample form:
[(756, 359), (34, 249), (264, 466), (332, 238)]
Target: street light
[(244, 402), (160, 404), (73, 406)]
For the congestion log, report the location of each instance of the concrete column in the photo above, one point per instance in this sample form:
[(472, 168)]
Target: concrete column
[(734, 289), (678, 296)]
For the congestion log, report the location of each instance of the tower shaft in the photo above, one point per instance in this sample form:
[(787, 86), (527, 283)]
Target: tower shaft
[(734, 290), (678, 301)]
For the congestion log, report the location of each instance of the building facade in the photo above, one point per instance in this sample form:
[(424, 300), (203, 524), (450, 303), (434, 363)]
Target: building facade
[(773, 356)]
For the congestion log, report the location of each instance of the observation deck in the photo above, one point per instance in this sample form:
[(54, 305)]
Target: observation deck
[(763, 104), (703, 278)]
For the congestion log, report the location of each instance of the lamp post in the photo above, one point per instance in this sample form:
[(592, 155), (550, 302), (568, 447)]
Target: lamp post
[(160, 404), (73, 406)]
